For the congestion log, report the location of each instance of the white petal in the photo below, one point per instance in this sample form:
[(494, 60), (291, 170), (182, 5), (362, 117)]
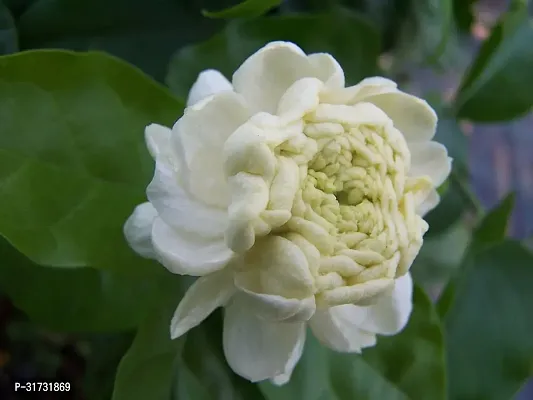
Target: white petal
[(277, 266), (429, 203), (257, 349), (411, 116), (335, 328), (179, 209), (157, 139), (187, 254), (390, 313), (208, 83), (201, 299), (357, 93), (327, 69), (267, 74), (138, 229), (199, 137), (430, 159), (274, 307), (296, 354)]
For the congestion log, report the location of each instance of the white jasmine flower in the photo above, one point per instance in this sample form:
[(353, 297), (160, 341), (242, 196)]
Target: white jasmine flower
[(295, 200)]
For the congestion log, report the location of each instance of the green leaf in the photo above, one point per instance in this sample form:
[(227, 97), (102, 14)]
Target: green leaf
[(409, 365), (144, 32), (351, 40), (426, 30), (75, 300), (246, 9), (73, 163), (504, 64), (146, 370), (205, 362), (8, 31), (488, 329), (490, 230)]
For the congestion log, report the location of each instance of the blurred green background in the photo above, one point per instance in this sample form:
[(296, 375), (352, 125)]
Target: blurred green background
[(424, 45)]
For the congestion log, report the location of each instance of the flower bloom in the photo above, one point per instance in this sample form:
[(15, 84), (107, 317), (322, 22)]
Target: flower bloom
[(295, 200)]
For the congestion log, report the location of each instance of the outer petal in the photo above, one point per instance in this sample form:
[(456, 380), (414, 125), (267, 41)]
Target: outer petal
[(328, 70), (157, 139), (431, 159), (138, 229), (335, 328), (199, 137), (179, 209), (391, 313), (267, 74), (430, 202), (257, 349), (357, 93), (291, 363), (411, 116), (208, 83), (202, 298), (187, 254)]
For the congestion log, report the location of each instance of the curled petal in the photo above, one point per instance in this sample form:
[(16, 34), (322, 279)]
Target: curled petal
[(274, 307), (267, 74), (138, 229), (257, 349), (187, 254), (411, 115), (199, 137), (327, 69), (430, 159), (208, 83), (429, 203), (178, 208), (357, 93), (296, 354), (201, 299), (157, 139), (336, 329), (390, 313)]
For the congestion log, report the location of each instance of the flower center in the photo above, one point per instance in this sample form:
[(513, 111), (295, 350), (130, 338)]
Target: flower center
[(340, 191)]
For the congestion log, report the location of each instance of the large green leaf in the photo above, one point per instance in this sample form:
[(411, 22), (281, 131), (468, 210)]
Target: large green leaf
[(143, 32), (75, 300), (488, 329), (8, 31), (246, 9), (504, 64), (73, 163), (409, 365), (146, 371), (489, 231), (351, 40)]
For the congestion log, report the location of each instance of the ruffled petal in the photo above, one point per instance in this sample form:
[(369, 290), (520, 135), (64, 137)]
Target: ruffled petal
[(257, 349), (296, 354), (187, 254), (430, 159), (208, 83), (267, 74), (390, 313), (199, 137), (411, 115), (357, 93), (179, 209), (334, 327), (138, 229), (201, 299)]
